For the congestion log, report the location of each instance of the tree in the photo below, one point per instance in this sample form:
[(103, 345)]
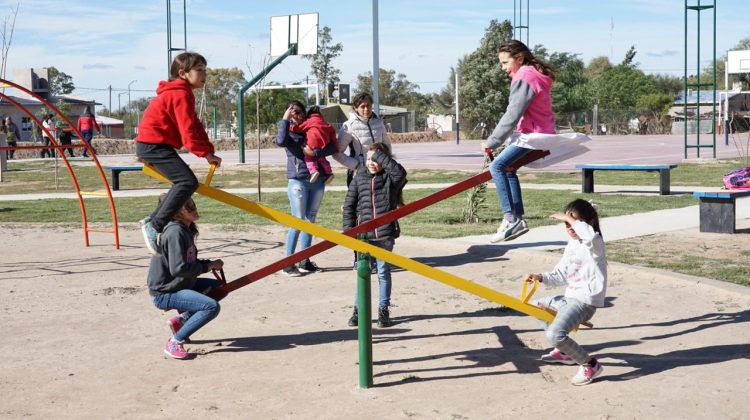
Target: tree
[(596, 67), (272, 104), (322, 63), (483, 86), (59, 82), (394, 89), (570, 94), (6, 33), (222, 85)]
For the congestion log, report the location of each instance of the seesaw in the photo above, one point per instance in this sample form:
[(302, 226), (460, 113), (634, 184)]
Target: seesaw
[(381, 220), (347, 241)]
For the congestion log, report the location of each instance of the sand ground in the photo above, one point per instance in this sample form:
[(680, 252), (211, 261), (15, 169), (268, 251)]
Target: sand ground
[(81, 338)]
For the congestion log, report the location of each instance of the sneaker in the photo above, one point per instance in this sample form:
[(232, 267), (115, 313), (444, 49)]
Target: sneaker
[(516, 229), (150, 236), (500, 234), (314, 177), (175, 324), (556, 356), (384, 318), (354, 319), (329, 179), (307, 266), (586, 374), (175, 350), (291, 271)]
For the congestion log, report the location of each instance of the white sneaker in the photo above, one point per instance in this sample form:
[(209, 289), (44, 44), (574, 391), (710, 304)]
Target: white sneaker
[(586, 374), (516, 229), (500, 234)]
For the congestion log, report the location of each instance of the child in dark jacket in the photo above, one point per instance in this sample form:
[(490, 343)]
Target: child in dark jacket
[(169, 123), (371, 193), (319, 134), (173, 281)]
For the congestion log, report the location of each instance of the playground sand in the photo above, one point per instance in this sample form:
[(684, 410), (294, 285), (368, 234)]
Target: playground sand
[(81, 339)]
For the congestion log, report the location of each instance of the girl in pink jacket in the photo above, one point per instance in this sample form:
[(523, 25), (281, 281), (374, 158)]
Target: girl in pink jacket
[(529, 111)]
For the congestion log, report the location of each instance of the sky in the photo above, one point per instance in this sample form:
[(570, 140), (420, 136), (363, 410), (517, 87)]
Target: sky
[(102, 43)]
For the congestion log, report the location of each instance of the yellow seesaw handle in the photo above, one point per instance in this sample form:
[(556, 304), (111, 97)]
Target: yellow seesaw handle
[(210, 175), (526, 296)]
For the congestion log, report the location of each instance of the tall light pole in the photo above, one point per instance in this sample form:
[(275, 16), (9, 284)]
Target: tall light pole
[(119, 103), (130, 116)]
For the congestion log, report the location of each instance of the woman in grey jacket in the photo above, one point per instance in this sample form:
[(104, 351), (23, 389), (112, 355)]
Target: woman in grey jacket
[(362, 129)]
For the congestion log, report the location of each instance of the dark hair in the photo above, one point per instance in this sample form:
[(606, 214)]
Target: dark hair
[(299, 105), (382, 147), (586, 212), (87, 112), (185, 62), (313, 110), (516, 49), (189, 205), (361, 97)]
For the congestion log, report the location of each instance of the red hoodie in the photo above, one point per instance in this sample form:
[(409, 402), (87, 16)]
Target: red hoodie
[(170, 119), (318, 132)]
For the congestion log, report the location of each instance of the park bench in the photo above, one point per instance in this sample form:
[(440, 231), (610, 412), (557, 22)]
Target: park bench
[(116, 173), (587, 174), (717, 210)]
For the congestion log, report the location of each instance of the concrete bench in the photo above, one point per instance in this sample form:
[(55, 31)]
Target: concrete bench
[(717, 210), (116, 173), (587, 174)]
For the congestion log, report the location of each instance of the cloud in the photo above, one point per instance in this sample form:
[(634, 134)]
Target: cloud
[(97, 66), (663, 53)]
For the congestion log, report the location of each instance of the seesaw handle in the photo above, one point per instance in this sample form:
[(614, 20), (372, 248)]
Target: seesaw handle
[(210, 175), (527, 294)]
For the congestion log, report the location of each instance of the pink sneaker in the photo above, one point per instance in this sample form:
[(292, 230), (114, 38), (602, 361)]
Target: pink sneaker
[(555, 356), (175, 324), (586, 374), (175, 350)]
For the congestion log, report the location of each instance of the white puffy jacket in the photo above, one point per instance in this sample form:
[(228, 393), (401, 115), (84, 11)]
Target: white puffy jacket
[(360, 134)]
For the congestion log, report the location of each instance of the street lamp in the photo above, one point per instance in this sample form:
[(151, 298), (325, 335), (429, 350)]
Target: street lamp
[(119, 104), (130, 116)]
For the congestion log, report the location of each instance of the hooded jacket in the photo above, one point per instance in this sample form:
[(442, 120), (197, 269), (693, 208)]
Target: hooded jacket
[(293, 143), (170, 119), (583, 267), (372, 195), (318, 132), (178, 266)]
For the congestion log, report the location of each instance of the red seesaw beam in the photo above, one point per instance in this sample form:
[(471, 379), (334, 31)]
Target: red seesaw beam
[(372, 224)]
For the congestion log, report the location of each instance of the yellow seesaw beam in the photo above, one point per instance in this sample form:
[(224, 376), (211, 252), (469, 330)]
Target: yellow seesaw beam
[(351, 243)]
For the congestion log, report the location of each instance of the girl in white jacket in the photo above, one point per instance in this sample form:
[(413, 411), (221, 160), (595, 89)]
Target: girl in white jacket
[(583, 268)]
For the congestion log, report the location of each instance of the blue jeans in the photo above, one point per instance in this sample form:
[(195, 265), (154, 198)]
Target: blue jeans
[(195, 308), (88, 135), (384, 275), (184, 183), (570, 312), (304, 200), (506, 183)]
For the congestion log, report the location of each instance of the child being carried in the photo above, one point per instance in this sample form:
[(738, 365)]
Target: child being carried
[(318, 134)]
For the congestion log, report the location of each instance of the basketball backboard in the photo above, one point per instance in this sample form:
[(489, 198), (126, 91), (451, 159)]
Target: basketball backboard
[(294, 29), (738, 61)]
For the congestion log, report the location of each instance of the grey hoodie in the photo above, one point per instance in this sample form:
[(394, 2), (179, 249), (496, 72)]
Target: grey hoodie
[(178, 266)]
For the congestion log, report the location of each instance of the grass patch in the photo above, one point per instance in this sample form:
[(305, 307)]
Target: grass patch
[(39, 176), (691, 174), (442, 220), (695, 261)]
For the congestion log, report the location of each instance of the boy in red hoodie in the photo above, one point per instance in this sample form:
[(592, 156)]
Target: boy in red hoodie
[(169, 123), (318, 134)]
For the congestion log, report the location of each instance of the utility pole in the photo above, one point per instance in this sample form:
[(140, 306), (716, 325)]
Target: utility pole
[(130, 113), (110, 99)]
